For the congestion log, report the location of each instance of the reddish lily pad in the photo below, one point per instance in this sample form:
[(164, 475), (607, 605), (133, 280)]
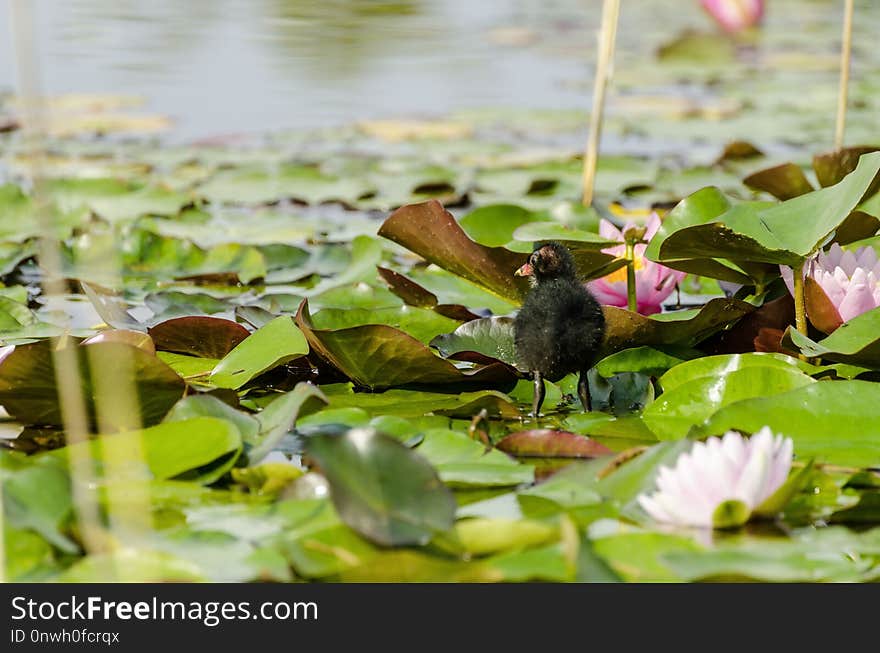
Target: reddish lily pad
[(199, 335), (416, 295), (627, 329), (432, 232), (377, 356), (782, 182), (833, 166), (28, 388), (546, 443)]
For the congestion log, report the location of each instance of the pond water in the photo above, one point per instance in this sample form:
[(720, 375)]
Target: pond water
[(231, 66)]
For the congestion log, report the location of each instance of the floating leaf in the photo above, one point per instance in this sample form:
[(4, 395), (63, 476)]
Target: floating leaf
[(717, 366), (278, 418), (431, 231), (463, 462), (783, 182), (382, 489), (421, 324), (551, 444), (834, 422), (170, 449), (484, 536), (494, 225), (674, 412), (626, 329), (856, 341), (36, 495), (645, 360), (272, 345), (379, 356), (492, 337), (29, 392), (206, 337)]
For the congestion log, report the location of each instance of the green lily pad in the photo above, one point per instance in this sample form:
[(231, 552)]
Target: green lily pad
[(415, 403), (169, 449), (272, 345), (260, 186), (492, 337), (382, 489), (645, 360), (494, 225), (278, 418), (755, 233), (717, 366), (693, 402), (36, 496), (833, 422), (856, 342), (420, 323), (463, 462)]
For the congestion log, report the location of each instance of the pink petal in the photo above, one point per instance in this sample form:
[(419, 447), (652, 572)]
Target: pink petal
[(859, 297), (849, 263), (787, 277), (831, 285), (608, 231), (610, 294)]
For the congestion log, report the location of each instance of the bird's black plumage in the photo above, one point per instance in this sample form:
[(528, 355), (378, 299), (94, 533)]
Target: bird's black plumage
[(560, 327)]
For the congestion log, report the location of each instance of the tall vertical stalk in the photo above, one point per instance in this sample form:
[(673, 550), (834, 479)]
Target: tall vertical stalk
[(845, 54), (800, 304), (631, 299), (128, 502), (604, 63)]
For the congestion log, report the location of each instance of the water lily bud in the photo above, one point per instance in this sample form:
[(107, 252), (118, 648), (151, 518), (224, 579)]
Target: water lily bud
[(838, 285), (735, 15)]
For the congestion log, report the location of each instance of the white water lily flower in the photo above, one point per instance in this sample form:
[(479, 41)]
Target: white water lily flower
[(720, 470)]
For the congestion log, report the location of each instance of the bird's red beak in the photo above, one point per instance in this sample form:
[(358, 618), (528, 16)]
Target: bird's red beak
[(524, 271)]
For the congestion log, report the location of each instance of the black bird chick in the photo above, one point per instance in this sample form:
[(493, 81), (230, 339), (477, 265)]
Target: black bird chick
[(560, 326)]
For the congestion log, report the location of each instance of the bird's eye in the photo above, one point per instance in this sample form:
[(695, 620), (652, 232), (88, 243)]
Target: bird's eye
[(533, 259)]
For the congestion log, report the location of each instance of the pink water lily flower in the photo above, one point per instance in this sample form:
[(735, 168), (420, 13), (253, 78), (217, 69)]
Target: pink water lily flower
[(734, 15), (654, 282), (729, 468), (839, 285)]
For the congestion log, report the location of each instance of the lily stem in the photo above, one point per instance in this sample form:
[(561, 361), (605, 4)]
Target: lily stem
[(845, 51), (631, 300), (604, 61), (800, 303)]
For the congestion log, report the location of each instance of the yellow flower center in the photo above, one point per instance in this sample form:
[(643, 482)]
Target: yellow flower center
[(620, 275)]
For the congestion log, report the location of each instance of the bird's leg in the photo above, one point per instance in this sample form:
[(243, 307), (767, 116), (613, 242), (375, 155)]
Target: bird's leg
[(584, 391), (538, 398)]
